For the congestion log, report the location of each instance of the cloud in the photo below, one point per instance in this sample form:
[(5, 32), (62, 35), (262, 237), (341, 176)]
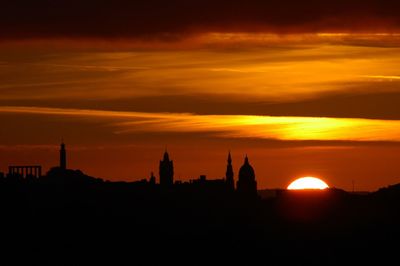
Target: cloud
[(268, 73), (310, 81), (233, 126), (363, 103), (383, 77), (169, 20)]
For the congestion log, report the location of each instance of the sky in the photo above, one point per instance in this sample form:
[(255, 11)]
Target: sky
[(304, 88)]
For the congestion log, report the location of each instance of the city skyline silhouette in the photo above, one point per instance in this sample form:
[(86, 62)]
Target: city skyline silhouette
[(199, 132), (207, 217), (266, 180), (246, 183)]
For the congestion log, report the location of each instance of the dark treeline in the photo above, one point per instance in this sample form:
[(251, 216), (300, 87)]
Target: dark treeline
[(73, 219)]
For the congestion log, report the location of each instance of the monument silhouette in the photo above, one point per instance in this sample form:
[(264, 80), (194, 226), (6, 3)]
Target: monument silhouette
[(63, 156)]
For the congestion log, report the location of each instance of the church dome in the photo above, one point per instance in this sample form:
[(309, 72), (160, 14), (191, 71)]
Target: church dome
[(247, 171)]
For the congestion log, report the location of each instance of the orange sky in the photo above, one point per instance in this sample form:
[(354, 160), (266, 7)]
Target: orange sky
[(297, 104)]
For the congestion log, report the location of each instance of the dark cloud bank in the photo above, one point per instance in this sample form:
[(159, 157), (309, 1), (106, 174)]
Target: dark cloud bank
[(174, 18)]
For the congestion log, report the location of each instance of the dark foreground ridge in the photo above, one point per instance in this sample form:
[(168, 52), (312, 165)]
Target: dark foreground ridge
[(84, 221), (69, 218)]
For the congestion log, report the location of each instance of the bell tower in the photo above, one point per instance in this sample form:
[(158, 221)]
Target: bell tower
[(166, 171)]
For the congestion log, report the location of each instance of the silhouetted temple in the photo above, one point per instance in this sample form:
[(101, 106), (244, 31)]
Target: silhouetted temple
[(229, 174), (166, 171), (31, 171), (247, 184)]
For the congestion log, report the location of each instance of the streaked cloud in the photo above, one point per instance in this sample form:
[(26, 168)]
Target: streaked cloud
[(282, 69), (382, 77), (235, 126)]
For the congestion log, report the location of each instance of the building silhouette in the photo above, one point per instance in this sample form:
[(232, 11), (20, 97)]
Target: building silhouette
[(229, 174), (247, 184), (63, 156), (166, 171), (152, 179), (31, 171)]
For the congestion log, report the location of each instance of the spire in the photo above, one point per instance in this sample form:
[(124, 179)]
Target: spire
[(229, 173), (246, 160)]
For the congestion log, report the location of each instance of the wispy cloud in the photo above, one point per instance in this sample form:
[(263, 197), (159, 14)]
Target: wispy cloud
[(275, 72), (94, 67), (237, 70), (382, 77), (234, 126)]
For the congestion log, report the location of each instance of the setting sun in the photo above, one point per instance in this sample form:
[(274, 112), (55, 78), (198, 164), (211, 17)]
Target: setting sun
[(307, 183)]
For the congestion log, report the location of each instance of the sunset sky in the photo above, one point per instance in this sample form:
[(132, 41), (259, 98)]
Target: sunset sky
[(305, 88)]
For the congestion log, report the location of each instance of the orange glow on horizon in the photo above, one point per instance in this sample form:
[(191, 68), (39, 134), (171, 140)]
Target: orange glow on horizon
[(332, 96)]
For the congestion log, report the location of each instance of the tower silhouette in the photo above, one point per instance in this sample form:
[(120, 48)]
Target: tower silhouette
[(229, 174), (63, 156), (152, 180), (247, 184), (166, 171)]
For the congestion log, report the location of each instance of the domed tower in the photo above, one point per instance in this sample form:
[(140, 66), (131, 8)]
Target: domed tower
[(166, 171), (229, 174), (247, 184)]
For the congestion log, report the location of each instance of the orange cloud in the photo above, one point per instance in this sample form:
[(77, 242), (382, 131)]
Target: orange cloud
[(235, 126)]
